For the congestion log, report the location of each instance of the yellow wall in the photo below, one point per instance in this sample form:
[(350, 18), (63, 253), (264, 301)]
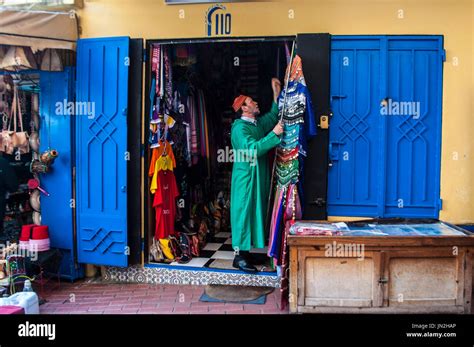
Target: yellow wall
[(452, 18)]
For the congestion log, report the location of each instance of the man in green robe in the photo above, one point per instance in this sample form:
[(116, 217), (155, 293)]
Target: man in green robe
[(251, 138)]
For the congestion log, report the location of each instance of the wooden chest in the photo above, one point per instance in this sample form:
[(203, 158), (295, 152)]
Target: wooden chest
[(393, 274)]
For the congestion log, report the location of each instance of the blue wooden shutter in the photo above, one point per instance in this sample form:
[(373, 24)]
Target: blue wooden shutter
[(55, 133), (385, 165), (354, 141), (414, 140), (101, 145)]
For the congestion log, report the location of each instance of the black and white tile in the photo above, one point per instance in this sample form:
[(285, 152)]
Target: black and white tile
[(219, 254)]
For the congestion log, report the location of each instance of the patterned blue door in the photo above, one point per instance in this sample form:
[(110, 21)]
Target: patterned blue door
[(414, 132), (354, 141), (385, 134), (101, 150)]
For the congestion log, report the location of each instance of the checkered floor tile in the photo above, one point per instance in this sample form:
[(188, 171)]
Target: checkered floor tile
[(219, 254)]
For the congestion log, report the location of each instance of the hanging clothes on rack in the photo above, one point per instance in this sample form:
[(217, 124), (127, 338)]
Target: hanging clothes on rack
[(298, 126), (156, 68), (162, 159), (164, 187), (165, 204), (168, 81)]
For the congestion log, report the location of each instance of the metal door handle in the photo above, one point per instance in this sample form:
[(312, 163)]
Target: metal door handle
[(338, 97), (334, 156)]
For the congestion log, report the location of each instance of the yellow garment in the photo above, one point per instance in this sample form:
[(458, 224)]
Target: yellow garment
[(164, 148), (164, 163), (162, 159), (166, 248)]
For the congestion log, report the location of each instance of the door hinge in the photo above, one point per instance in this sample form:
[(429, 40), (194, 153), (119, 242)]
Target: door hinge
[(144, 55), (142, 150), (440, 204), (443, 55)]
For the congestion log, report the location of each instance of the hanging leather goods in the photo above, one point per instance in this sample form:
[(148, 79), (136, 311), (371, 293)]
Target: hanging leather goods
[(34, 141), (51, 61), (35, 111), (13, 141), (3, 52), (36, 218), (6, 88), (35, 201), (49, 156), (18, 58), (37, 167)]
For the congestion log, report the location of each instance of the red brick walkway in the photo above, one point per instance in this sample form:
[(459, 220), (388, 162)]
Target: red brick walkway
[(102, 298)]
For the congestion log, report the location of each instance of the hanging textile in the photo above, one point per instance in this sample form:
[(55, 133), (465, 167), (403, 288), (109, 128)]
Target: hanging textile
[(193, 109), (204, 130), (298, 125), (162, 159), (165, 204), (168, 82), (156, 68)]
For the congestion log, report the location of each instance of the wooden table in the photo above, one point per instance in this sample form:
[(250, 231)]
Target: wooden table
[(397, 274)]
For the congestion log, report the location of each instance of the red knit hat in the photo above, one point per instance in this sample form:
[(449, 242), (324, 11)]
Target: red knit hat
[(238, 102)]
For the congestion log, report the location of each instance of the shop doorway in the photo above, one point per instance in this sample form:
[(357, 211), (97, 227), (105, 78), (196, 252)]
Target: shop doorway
[(206, 76)]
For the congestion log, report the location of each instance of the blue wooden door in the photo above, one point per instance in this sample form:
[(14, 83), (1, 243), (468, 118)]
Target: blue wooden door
[(385, 133), (56, 132), (354, 141), (413, 126), (101, 150)]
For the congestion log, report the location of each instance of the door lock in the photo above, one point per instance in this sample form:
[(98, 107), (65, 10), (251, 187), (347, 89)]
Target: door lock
[(323, 122)]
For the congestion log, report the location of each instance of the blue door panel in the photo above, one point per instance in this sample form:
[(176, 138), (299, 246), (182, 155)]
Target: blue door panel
[(413, 134), (354, 140), (55, 133), (102, 83), (385, 164), (56, 130)]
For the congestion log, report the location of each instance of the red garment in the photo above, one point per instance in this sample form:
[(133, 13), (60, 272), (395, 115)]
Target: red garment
[(165, 204)]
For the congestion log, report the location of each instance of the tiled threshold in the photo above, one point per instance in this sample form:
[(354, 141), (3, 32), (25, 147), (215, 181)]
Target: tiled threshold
[(182, 275)]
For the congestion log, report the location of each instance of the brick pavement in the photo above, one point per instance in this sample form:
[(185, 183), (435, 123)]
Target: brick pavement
[(118, 298)]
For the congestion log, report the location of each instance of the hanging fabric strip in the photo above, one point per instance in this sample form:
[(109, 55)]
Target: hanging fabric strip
[(274, 242), (287, 53), (168, 82), (156, 67), (202, 112), (162, 69)]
